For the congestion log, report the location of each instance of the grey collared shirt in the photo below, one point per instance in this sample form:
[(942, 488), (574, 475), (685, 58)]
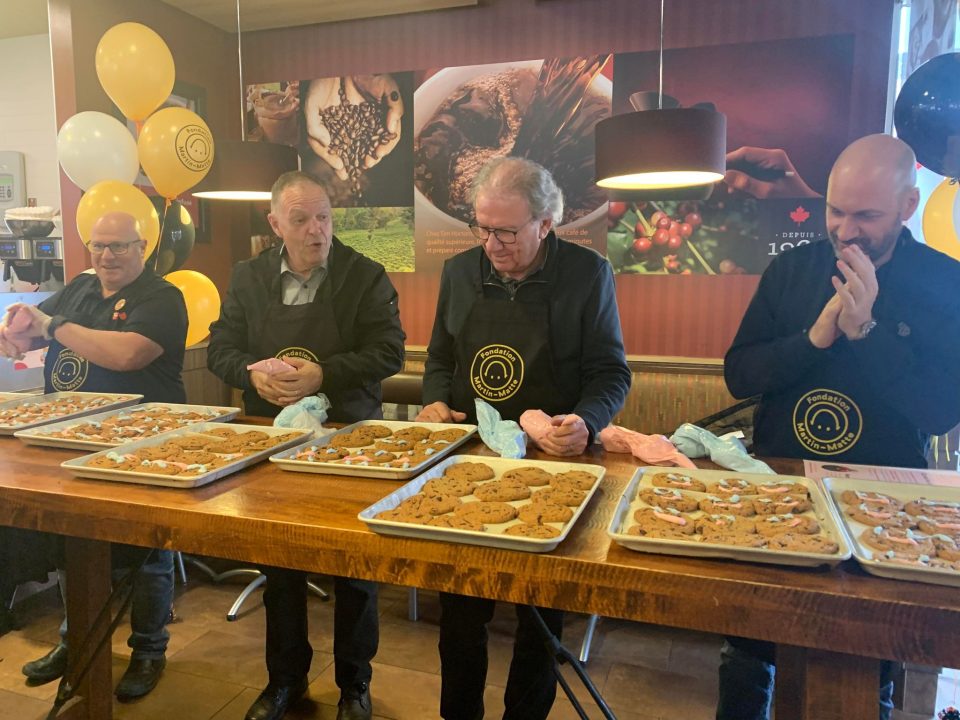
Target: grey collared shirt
[(295, 290)]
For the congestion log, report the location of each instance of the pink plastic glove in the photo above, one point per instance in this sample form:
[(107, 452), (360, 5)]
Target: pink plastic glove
[(653, 449), (271, 366)]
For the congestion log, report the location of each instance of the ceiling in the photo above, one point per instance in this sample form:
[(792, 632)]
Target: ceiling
[(29, 17), (265, 14)]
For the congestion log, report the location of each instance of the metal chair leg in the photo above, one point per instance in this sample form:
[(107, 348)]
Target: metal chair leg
[(413, 612), (244, 594), (318, 591), (588, 638), (178, 559)]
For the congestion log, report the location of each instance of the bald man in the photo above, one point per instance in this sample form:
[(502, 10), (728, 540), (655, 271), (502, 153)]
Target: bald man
[(851, 345), (120, 330)]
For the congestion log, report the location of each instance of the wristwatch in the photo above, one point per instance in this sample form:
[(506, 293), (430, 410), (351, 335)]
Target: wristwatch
[(55, 322), (865, 329)]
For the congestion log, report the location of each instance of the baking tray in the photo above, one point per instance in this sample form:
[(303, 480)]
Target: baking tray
[(19, 395), (489, 538), (42, 435), (823, 510), (865, 555), (79, 468), (119, 400), (287, 462)]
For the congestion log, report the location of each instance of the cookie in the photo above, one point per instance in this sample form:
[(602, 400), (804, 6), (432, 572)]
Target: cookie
[(855, 497), (476, 472), (253, 436), (199, 457), (537, 513), (732, 486), (413, 434), (449, 486), (874, 515), (578, 479), (781, 505), (113, 461), (529, 475), (677, 480), (158, 452), (541, 532), (404, 515), (933, 508), (934, 525), (781, 488), (560, 495), (946, 547), (899, 558), (433, 503), (502, 491), (792, 542), (733, 505), (457, 522), (395, 445), (664, 497), (223, 432), (736, 539), (353, 439), (724, 524), (904, 542), (660, 533), (377, 431), (448, 434), (158, 467), (797, 524), (664, 518), (488, 513), (320, 453)]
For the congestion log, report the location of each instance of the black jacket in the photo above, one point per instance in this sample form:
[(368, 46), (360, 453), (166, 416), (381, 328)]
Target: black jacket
[(364, 306), (903, 378)]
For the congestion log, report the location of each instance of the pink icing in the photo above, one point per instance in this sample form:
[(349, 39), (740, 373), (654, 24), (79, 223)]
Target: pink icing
[(670, 518), (773, 490)]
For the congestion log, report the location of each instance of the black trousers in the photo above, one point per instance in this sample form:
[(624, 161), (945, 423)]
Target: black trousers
[(356, 629), (531, 684)]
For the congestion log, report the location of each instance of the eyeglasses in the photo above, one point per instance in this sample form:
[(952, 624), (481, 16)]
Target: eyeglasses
[(116, 248), (506, 237)]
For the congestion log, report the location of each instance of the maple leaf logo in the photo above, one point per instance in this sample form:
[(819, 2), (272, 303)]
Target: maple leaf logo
[(800, 215)]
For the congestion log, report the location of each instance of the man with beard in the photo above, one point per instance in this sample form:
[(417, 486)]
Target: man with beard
[(851, 346)]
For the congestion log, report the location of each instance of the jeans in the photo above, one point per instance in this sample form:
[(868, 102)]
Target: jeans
[(747, 669), (151, 603), (356, 628), (531, 684)]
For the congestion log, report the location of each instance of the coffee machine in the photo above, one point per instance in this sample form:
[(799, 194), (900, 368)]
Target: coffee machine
[(31, 264)]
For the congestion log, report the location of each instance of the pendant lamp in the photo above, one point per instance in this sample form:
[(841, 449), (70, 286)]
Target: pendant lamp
[(661, 153), (244, 170)]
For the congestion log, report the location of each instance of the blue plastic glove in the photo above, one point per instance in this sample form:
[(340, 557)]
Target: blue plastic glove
[(504, 437), (307, 414), (696, 442)]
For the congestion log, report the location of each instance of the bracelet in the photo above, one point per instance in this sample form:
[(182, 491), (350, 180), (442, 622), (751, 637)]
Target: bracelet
[(55, 322)]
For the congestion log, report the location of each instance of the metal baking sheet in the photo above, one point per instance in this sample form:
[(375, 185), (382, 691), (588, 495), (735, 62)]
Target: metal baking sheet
[(287, 462), (79, 468), (864, 554), (493, 536), (8, 396), (823, 510), (119, 400), (42, 435)]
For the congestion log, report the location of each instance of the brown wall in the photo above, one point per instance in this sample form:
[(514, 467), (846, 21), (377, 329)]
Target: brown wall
[(204, 55), (692, 316)]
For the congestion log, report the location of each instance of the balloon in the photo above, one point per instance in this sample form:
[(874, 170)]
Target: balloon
[(135, 68), (927, 114), (177, 234), (940, 220), (202, 299), (92, 146), (176, 150), (115, 196)]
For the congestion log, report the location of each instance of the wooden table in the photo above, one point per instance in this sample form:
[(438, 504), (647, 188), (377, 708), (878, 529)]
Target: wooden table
[(832, 625)]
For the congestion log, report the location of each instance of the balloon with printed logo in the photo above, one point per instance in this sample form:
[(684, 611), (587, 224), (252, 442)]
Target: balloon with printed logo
[(176, 150), (940, 216), (202, 299), (115, 196), (927, 114), (92, 146), (177, 235), (135, 68)]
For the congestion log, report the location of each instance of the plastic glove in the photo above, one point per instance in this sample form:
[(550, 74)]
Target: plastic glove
[(307, 414), (652, 449), (694, 441), (271, 366), (502, 436)]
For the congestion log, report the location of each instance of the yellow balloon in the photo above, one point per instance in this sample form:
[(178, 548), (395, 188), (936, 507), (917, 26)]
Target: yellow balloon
[(115, 196), (135, 68), (176, 150), (202, 299), (939, 228)]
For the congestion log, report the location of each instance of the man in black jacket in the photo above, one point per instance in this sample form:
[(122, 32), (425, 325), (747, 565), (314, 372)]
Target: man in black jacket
[(332, 314), (851, 345)]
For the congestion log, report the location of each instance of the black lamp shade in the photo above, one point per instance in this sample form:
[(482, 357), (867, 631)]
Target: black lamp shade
[(661, 151), (245, 170)]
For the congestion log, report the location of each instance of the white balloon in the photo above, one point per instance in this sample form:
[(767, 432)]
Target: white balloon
[(92, 147)]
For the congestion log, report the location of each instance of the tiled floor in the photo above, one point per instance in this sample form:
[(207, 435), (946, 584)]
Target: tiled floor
[(215, 669)]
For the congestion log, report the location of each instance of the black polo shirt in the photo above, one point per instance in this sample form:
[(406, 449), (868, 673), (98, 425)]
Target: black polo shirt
[(149, 306)]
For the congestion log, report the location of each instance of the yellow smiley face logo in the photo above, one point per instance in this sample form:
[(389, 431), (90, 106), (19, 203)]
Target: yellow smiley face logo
[(496, 372), (827, 422)]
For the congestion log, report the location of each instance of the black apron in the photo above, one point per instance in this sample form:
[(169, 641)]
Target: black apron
[(503, 357), (308, 331)]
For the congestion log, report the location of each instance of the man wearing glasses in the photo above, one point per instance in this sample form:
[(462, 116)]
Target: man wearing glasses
[(524, 321), (120, 330)]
